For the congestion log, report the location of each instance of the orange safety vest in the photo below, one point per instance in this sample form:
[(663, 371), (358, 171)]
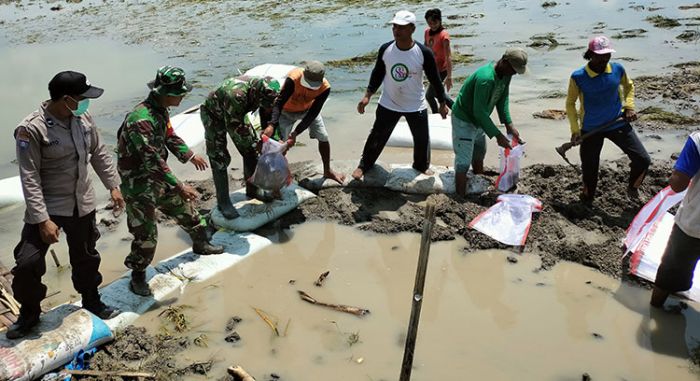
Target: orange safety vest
[(303, 97)]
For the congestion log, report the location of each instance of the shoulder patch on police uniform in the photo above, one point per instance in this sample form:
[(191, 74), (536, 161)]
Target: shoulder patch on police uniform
[(22, 138)]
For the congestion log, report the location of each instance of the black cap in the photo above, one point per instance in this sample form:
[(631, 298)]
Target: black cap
[(72, 83)]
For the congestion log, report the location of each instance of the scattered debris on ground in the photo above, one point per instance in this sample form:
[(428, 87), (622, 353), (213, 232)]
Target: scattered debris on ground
[(550, 114)]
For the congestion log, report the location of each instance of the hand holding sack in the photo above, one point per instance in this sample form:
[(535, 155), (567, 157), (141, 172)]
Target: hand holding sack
[(272, 172), (510, 165)]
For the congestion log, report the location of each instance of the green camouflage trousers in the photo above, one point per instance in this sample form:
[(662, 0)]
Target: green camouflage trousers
[(242, 134), (141, 219)]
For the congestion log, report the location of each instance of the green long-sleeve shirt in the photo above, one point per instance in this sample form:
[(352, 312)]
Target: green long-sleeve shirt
[(481, 92)]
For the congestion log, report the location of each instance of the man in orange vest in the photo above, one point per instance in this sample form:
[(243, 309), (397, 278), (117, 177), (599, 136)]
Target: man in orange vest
[(302, 96)]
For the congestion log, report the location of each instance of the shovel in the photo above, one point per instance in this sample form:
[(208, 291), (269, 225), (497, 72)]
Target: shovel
[(561, 150)]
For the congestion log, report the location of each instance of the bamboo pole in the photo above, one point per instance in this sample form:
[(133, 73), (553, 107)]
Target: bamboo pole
[(99, 373), (417, 296)]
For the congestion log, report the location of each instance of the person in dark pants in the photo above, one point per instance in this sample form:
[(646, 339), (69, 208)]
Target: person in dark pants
[(675, 273), (400, 66), (55, 144), (438, 40), (597, 87)]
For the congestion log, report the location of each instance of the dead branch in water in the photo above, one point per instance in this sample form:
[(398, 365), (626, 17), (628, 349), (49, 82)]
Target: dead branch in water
[(338, 307), (240, 373), (321, 278), (270, 321)]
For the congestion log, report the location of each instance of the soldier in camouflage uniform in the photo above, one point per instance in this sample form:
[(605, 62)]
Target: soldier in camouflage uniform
[(148, 184), (224, 112)]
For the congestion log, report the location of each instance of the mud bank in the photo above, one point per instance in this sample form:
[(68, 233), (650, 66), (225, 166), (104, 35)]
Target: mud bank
[(566, 229)]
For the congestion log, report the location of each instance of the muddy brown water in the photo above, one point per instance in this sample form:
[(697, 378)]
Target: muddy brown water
[(120, 51), (482, 316)]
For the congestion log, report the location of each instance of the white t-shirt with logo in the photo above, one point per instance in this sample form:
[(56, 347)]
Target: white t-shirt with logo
[(401, 74)]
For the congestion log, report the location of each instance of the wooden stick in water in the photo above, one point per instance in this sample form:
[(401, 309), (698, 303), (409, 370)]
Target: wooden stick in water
[(239, 372), (417, 297)]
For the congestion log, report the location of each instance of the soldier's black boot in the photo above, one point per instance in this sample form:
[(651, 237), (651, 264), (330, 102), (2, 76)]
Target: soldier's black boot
[(138, 284), (223, 201), (201, 245), (93, 303), (26, 321)]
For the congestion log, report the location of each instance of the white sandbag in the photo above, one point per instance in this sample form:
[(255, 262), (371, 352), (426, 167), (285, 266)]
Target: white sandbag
[(64, 332), (646, 257), (174, 273), (403, 178), (440, 133), (509, 220), (11, 191), (310, 176), (510, 165), (276, 71), (188, 126), (254, 213)]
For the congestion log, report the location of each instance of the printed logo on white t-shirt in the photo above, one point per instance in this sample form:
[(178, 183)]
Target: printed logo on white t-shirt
[(399, 72)]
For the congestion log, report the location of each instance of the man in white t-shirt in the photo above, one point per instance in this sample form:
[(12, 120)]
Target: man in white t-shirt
[(682, 253), (400, 66)]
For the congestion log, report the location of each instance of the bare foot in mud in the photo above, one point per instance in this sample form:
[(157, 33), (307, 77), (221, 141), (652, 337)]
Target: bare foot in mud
[(335, 176), (428, 172), (357, 174)]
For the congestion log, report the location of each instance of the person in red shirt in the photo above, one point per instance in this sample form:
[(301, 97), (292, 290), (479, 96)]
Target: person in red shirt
[(438, 40)]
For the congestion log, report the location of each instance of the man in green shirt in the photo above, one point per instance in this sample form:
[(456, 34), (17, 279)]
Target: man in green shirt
[(485, 89)]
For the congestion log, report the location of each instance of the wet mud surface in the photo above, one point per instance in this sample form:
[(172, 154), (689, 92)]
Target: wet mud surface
[(136, 349), (566, 229)]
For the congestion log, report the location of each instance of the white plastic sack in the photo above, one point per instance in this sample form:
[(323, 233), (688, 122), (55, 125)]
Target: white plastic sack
[(646, 257), (509, 220), (272, 172), (510, 166), (652, 212)]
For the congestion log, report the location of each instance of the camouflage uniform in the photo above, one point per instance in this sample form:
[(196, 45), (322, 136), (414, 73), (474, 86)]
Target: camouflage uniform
[(148, 184), (224, 112)]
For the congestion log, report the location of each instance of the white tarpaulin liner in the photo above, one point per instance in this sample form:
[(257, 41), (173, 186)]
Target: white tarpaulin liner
[(509, 220), (440, 133), (66, 329), (10, 191), (650, 213)]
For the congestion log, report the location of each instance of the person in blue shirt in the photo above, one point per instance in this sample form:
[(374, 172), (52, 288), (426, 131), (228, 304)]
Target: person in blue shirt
[(597, 87), (675, 273)]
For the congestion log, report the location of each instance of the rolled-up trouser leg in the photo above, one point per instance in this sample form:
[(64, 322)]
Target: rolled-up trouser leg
[(628, 141)]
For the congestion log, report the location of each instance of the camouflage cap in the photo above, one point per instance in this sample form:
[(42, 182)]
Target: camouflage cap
[(170, 81), (268, 89)]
